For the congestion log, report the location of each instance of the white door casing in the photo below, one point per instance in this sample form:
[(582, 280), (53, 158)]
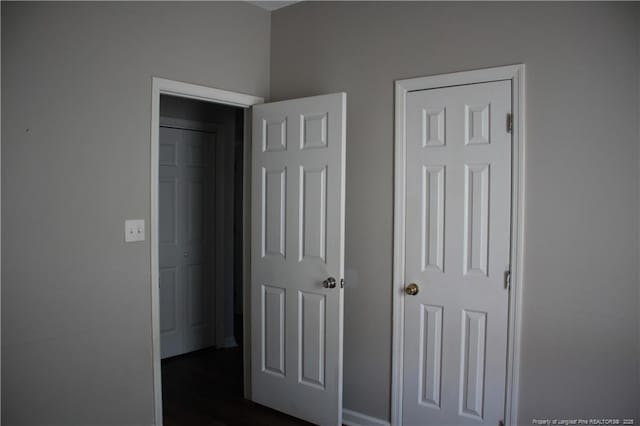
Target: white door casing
[(185, 237), (187, 90), (457, 249), (298, 189)]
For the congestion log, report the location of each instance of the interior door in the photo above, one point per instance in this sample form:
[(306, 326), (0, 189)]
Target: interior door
[(186, 284), (297, 256), (458, 183)]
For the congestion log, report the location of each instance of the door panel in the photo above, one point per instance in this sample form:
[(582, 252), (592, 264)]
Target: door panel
[(196, 295), (432, 244), (168, 310), (273, 212), (186, 285), (311, 339), (458, 181), (313, 214), (430, 360), (298, 226), (168, 190), (273, 335)]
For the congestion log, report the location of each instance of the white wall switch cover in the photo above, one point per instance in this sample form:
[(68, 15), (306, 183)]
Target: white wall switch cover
[(133, 230)]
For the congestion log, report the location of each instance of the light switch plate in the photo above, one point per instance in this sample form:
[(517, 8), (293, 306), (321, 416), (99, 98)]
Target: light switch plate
[(133, 230)]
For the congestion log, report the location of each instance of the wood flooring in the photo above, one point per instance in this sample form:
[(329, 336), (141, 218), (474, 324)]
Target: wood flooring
[(206, 388)]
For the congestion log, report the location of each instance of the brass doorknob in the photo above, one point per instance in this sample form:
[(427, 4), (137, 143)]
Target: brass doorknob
[(412, 289)]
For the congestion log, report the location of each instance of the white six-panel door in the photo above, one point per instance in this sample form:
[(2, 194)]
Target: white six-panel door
[(458, 183), (298, 187), (185, 278)]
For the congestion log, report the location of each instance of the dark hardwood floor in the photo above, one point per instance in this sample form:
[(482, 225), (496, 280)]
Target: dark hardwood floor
[(206, 388)]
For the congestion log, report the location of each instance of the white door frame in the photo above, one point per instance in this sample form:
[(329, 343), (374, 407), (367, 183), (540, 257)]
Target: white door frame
[(515, 73), (208, 94)]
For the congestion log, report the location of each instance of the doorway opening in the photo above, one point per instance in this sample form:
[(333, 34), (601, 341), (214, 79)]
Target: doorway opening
[(200, 211), (199, 153), (200, 239)]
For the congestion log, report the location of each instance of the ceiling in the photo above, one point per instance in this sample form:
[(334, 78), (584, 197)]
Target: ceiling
[(272, 5)]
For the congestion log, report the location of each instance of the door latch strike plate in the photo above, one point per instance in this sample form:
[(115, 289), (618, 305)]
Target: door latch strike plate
[(341, 282), (507, 279), (509, 122)]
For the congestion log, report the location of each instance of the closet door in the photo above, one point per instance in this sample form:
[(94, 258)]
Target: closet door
[(186, 284), (457, 236)]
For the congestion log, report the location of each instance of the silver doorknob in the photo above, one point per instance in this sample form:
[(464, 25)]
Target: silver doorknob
[(329, 283), (412, 289)]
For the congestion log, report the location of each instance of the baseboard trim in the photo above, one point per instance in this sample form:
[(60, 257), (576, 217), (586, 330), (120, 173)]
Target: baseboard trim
[(228, 342), (353, 418)]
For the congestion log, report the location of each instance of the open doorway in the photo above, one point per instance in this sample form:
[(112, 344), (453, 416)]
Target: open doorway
[(200, 251), (200, 213)]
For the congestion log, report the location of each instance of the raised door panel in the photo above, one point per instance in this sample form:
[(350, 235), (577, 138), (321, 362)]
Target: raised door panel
[(168, 153), (432, 250), (168, 297), (168, 217), (430, 355), (313, 214), (476, 227), (433, 129), (472, 367), (274, 135), (196, 295), (273, 330), (314, 131), (274, 199), (171, 338), (311, 339), (477, 124), (195, 213)]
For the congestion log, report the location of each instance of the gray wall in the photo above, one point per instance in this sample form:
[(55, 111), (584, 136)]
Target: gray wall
[(580, 324), (76, 81), (76, 86)]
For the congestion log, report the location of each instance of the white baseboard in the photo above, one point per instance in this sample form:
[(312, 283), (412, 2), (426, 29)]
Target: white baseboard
[(353, 418), (228, 342)]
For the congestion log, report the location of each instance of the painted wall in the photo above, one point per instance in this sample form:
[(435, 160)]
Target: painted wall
[(638, 25), (76, 83), (580, 320), (76, 86)]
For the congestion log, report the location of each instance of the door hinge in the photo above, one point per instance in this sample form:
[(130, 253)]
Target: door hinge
[(501, 423), (509, 122), (507, 279)]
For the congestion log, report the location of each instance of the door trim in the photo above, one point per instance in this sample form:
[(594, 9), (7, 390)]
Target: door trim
[(515, 73), (181, 123), (186, 90)]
